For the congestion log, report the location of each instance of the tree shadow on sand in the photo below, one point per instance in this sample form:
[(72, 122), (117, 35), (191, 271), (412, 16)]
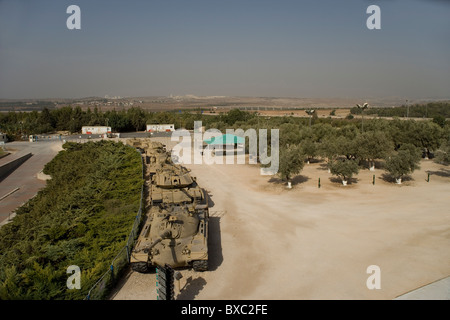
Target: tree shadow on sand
[(294, 181), (339, 180), (323, 166), (389, 178), (445, 173)]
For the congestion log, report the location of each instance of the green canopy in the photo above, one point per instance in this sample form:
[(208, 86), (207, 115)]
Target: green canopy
[(225, 139)]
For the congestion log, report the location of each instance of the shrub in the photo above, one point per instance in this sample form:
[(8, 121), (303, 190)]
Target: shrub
[(404, 162), (70, 222), (344, 168)]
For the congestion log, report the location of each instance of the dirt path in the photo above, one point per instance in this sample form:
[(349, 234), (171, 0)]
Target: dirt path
[(268, 242)]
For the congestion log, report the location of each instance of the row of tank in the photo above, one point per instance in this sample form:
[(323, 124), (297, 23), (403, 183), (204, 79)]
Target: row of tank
[(175, 226)]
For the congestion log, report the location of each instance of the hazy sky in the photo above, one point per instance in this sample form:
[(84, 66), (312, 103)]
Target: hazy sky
[(314, 48)]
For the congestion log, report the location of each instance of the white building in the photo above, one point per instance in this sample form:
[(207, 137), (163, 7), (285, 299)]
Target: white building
[(160, 127), (95, 130)]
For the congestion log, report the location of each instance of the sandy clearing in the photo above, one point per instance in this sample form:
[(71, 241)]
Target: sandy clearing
[(268, 242)]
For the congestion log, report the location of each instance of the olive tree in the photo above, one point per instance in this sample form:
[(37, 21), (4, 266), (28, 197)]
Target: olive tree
[(373, 145), (291, 162), (427, 135), (345, 169), (403, 162), (309, 149), (443, 154), (329, 149)]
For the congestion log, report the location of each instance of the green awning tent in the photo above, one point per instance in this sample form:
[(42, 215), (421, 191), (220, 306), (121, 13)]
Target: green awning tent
[(225, 139)]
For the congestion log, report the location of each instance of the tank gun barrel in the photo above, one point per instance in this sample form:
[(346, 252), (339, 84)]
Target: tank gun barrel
[(166, 234)]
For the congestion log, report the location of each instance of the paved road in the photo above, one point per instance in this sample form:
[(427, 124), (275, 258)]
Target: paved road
[(24, 177), (123, 135)]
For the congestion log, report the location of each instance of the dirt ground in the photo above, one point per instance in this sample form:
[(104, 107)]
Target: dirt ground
[(270, 242)]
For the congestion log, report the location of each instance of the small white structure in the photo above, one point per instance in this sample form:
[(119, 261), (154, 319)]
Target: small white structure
[(160, 127), (3, 138), (95, 130)]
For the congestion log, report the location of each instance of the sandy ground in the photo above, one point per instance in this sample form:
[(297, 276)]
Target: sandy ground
[(270, 242)]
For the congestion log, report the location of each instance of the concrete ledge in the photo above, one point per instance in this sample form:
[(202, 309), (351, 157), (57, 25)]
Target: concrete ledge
[(9, 167), (438, 290), (42, 176), (4, 155)]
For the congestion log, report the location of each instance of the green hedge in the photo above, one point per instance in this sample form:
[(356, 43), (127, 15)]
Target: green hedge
[(82, 217)]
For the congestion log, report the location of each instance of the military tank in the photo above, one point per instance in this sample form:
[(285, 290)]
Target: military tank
[(175, 229), (173, 235), (174, 185)]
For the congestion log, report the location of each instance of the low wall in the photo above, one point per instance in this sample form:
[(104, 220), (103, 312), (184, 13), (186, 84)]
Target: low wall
[(9, 167), (42, 176)]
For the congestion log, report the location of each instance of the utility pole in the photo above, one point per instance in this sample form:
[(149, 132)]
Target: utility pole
[(310, 112), (407, 109), (363, 107)]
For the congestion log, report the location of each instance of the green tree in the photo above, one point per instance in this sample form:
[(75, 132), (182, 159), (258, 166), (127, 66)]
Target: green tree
[(76, 121), (289, 134), (82, 217), (47, 119), (235, 115), (291, 162), (439, 120), (443, 154), (329, 149), (427, 135), (322, 131), (344, 168), (373, 145), (137, 118), (63, 118), (309, 149), (403, 162)]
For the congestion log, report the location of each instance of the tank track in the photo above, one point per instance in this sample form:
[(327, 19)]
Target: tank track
[(200, 265), (141, 267)]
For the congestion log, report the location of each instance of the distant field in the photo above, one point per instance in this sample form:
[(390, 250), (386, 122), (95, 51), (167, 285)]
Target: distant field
[(160, 103)]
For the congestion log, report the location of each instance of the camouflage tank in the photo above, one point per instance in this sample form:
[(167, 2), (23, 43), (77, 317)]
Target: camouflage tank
[(173, 235), (174, 185), (156, 157), (175, 230)]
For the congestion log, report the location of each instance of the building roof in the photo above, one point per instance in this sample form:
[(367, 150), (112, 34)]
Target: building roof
[(225, 139)]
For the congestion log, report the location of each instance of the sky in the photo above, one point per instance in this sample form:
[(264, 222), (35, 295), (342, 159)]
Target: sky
[(265, 48)]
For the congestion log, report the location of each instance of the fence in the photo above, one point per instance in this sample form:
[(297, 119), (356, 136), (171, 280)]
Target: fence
[(118, 264)]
